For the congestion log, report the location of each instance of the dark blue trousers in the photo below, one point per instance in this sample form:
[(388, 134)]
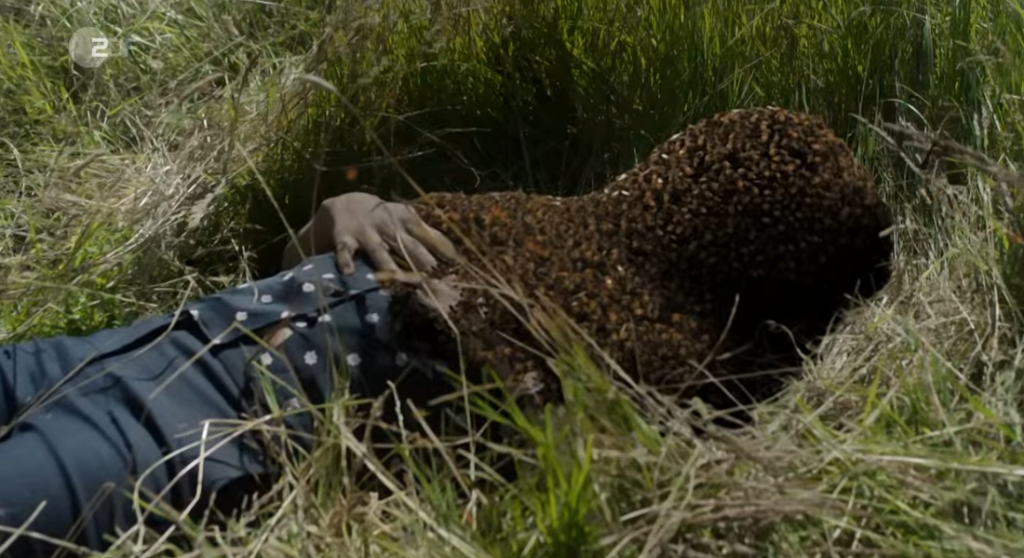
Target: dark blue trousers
[(156, 412)]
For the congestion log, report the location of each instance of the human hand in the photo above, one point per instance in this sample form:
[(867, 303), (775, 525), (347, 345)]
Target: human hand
[(361, 221)]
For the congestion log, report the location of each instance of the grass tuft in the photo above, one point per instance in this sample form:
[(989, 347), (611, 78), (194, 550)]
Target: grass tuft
[(175, 170)]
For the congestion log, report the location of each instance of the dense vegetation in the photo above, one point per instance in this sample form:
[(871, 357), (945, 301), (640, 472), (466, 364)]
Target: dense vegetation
[(174, 170)]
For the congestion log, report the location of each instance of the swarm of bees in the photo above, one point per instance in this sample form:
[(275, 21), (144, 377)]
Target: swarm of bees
[(744, 219)]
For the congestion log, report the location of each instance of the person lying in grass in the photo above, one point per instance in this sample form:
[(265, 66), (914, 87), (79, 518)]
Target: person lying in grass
[(170, 414), (765, 204)]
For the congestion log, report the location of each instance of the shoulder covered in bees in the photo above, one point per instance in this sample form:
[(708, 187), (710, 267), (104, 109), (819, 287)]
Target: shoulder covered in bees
[(743, 218)]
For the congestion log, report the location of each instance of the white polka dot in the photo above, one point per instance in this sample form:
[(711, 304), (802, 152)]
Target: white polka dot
[(373, 318), (266, 359), (371, 276), (328, 276), (353, 359), (324, 318), (292, 405), (307, 267), (242, 316), (287, 276), (286, 314), (266, 299), (308, 287), (300, 324), (195, 314), (310, 358), (401, 359)]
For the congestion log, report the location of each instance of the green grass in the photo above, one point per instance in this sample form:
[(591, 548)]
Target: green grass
[(156, 178)]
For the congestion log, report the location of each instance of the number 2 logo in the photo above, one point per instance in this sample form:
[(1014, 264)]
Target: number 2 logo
[(99, 47)]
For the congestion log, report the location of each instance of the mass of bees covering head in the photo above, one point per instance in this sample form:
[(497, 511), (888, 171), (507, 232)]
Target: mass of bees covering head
[(677, 269)]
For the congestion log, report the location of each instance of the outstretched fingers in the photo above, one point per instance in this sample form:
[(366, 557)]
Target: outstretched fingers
[(379, 253), (419, 257), (431, 239)]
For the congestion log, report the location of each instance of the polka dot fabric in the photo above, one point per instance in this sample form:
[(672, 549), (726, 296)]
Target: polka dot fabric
[(306, 294), (309, 324), (95, 416)]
